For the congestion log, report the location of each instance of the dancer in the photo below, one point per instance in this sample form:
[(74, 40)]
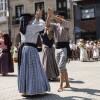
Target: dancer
[(49, 61), (32, 79), (61, 37)]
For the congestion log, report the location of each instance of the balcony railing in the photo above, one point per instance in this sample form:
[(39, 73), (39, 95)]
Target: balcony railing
[(15, 20)]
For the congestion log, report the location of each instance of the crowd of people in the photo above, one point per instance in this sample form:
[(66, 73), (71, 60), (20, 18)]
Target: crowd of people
[(34, 75), (85, 50)]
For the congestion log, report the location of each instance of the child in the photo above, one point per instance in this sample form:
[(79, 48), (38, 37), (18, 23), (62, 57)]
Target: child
[(83, 52), (15, 53), (95, 52)]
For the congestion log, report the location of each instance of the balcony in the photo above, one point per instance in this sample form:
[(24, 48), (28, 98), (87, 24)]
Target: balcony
[(3, 17)]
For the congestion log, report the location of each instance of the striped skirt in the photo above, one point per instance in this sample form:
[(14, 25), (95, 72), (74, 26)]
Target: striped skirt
[(31, 76), (49, 62)]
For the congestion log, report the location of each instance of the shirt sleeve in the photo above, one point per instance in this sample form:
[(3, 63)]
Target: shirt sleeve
[(65, 24), (39, 26), (52, 26)]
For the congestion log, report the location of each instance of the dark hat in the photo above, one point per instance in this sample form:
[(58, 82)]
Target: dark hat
[(61, 13), (27, 15)]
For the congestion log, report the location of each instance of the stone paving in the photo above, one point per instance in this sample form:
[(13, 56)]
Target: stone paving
[(84, 78)]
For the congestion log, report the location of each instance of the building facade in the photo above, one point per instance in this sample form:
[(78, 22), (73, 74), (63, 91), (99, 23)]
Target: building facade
[(3, 14), (87, 19), (9, 15)]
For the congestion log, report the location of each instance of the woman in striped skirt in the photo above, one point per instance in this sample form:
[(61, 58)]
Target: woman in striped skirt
[(32, 79), (49, 61)]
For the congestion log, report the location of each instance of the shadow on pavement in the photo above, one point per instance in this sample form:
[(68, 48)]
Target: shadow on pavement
[(91, 61), (70, 81), (75, 81), (9, 76), (55, 97), (85, 90)]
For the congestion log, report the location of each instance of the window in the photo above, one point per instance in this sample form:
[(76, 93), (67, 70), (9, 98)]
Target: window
[(61, 3), (62, 7), (3, 8), (40, 5), (19, 10), (88, 13)]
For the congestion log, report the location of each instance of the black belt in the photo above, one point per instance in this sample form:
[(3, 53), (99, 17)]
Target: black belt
[(64, 45), (33, 45), (61, 45), (29, 44)]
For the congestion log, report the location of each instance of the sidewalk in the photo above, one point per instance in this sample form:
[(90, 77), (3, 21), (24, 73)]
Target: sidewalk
[(84, 79)]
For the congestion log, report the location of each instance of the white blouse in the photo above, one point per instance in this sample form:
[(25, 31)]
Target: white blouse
[(32, 32)]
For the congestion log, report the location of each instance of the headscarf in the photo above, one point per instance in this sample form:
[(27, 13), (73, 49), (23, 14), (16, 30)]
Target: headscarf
[(24, 20)]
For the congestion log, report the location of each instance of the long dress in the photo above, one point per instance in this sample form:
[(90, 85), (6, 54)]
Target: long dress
[(49, 61), (83, 54), (95, 52), (6, 61), (31, 76)]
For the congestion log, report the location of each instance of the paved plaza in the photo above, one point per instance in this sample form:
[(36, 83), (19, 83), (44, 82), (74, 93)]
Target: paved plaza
[(84, 78)]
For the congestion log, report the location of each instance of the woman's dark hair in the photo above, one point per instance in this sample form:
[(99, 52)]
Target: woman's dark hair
[(61, 13), (7, 41), (24, 21)]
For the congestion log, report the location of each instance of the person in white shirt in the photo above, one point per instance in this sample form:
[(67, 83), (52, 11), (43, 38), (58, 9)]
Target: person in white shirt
[(32, 79), (88, 49), (73, 48), (95, 52)]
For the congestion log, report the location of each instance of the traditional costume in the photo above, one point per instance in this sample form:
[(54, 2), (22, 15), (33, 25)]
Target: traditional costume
[(6, 61), (49, 62), (31, 76), (83, 51), (61, 37), (62, 51), (95, 52)]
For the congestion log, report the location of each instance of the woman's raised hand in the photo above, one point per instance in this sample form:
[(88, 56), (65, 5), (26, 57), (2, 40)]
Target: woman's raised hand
[(38, 14)]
